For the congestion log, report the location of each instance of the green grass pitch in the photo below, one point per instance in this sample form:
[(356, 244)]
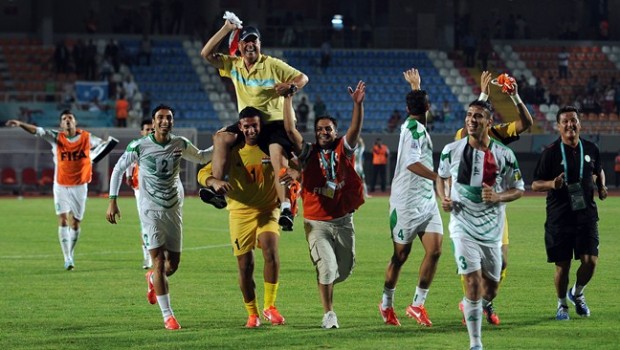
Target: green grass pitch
[(101, 304)]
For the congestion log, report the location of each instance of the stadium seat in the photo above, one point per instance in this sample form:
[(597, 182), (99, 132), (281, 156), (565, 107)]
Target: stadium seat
[(29, 180)]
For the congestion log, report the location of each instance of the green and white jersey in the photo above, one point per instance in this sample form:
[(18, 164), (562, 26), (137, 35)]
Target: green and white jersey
[(411, 194), (469, 168), (160, 164)]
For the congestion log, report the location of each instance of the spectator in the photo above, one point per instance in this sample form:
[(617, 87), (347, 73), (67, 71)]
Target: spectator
[(380, 154), (78, 52), (122, 111), (112, 54), (326, 55), (61, 57), (90, 60), (146, 46), (302, 114), (469, 48), (394, 121), (130, 87), (485, 50), (319, 107), (176, 9), (563, 57)]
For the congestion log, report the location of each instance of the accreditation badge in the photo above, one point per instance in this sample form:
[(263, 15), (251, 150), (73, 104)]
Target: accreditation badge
[(329, 189), (577, 199)]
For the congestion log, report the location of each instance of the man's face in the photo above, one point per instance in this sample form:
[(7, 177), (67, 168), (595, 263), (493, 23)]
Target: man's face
[(68, 122), (325, 133), (146, 129), (250, 127), (569, 125), (477, 121), (163, 121), (250, 48)]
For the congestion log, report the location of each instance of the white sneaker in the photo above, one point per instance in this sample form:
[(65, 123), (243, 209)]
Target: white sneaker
[(330, 320)]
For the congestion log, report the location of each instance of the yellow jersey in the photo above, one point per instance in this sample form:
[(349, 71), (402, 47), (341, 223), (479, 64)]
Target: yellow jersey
[(504, 132)]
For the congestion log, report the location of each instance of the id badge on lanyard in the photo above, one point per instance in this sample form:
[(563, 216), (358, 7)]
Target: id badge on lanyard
[(575, 190), (329, 190)]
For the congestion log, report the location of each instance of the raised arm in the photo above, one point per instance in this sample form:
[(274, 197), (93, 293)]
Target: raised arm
[(412, 76), (355, 128), (525, 120), (485, 81), (289, 125), (28, 127), (208, 51)]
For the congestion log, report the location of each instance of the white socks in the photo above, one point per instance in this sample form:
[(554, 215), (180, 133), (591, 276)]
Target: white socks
[(74, 236), (419, 297), (578, 290), (65, 242), (285, 205), (472, 311), (388, 297), (164, 305)]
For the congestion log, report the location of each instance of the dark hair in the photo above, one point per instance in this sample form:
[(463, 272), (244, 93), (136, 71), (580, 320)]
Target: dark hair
[(249, 112), (65, 111), (566, 109), (483, 104), (417, 102), (145, 122), (333, 120), (160, 107)]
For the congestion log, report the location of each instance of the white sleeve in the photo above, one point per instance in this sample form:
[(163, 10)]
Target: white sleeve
[(95, 141), (194, 155), (47, 135), (124, 162), (412, 149), (444, 163)]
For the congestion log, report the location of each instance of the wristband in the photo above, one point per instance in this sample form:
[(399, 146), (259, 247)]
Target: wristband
[(483, 97), (516, 99)]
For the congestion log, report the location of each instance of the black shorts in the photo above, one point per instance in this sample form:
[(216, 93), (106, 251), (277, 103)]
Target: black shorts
[(564, 243), (270, 133)]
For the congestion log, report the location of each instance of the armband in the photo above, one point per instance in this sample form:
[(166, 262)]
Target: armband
[(483, 97)]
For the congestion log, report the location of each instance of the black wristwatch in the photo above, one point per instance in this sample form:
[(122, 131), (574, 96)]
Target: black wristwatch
[(291, 90)]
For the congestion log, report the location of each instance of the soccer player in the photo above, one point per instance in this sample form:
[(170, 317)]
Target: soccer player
[(413, 207), (478, 176), (260, 81), (359, 163), (131, 175), (74, 151), (331, 192), (253, 220), (161, 198), (567, 170), (506, 133)]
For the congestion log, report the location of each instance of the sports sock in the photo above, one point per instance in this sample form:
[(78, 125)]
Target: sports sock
[(74, 235), (472, 310), (388, 297), (164, 305), (419, 297), (485, 303), (250, 306), (145, 252), (271, 292), (502, 276), (463, 284), (285, 205), (562, 301), (577, 289), (65, 241)]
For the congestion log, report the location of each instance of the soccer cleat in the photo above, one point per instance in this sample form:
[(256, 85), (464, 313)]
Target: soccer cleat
[(462, 308), (272, 315), (580, 303), (330, 320), (489, 312), (171, 323), (209, 196), (286, 220), (253, 321), (150, 291), (419, 314), (69, 265), (477, 347), (388, 315), (562, 313)]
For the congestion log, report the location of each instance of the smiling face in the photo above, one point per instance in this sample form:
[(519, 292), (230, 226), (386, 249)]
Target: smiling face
[(250, 49), (163, 122), (326, 133), (146, 129), (477, 121), (569, 127), (250, 127), (68, 123)]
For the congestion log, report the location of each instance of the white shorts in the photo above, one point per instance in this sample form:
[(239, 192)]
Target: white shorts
[(405, 228), (162, 228), (471, 256), (71, 199), (332, 248)]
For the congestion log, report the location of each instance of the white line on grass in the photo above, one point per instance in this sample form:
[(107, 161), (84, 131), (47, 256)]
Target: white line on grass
[(133, 251)]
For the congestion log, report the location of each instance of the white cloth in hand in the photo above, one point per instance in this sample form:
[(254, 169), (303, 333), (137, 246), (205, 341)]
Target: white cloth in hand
[(230, 16)]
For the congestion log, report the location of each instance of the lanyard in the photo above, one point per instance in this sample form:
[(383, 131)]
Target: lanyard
[(330, 171), (566, 163)]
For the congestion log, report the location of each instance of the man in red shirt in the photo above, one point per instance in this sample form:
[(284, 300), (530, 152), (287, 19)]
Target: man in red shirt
[(331, 192)]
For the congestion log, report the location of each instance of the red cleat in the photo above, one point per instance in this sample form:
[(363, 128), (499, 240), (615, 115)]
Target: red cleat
[(389, 316), (150, 291), (272, 315), (171, 323), (419, 314), (253, 321)]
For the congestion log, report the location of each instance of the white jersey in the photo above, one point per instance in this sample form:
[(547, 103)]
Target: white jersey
[(471, 218), (160, 164), (412, 194), (359, 158)]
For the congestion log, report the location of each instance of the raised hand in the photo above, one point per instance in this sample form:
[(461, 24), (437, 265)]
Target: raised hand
[(485, 80), (360, 92), (412, 76)]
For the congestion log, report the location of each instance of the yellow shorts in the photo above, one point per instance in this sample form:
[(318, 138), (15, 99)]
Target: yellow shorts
[(247, 225), (505, 239)]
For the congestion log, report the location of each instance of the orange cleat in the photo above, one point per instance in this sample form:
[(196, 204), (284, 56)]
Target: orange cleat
[(419, 314), (150, 291), (272, 315), (389, 316), (253, 321), (171, 323)]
